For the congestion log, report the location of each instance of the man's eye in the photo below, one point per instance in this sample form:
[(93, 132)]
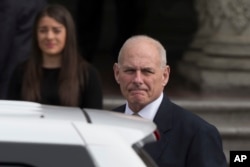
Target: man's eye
[(129, 71), (148, 72)]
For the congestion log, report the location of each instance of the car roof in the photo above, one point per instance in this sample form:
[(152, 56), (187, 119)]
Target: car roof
[(121, 123), (19, 109)]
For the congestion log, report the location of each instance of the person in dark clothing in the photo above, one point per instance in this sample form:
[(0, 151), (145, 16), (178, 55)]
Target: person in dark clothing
[(89, 26), (55, 73), (129, 20), (186, 139), (16, 21)]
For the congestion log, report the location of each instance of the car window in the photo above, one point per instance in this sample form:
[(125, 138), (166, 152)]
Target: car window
[(14, 154), (149, 162), (16, 164)]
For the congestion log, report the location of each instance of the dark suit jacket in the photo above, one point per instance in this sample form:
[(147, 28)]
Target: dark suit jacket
[(16, 22), (186, 139)]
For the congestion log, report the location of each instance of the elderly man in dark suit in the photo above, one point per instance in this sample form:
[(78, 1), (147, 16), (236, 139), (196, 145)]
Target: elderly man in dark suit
[(16, 22), (186, 139)]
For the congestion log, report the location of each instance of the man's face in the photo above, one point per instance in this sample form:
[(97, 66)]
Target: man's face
[(140, 74)]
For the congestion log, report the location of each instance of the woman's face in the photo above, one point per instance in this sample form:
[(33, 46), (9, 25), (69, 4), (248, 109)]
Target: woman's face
[(51, 36)]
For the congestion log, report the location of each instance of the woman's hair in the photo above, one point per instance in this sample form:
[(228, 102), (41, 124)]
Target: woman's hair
[(71, 77)]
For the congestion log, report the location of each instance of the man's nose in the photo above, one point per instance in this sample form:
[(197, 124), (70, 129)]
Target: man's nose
[(138, 77)]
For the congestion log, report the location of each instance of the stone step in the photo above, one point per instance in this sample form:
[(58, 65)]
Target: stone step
[(231, 117)]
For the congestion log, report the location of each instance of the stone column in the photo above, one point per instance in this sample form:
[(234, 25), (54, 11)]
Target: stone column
[(219, 56)]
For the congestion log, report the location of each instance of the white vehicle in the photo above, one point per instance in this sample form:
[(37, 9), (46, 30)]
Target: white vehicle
[(35, 135)]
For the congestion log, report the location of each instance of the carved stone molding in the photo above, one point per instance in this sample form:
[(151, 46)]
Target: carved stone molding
[(215, 13), (210, 11), (238, 12), (219, 57)]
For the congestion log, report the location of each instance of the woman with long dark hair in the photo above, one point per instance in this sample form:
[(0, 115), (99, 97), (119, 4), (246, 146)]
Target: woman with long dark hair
[(55, 73)]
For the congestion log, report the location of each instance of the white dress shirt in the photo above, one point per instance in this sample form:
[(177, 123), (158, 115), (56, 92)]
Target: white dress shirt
[(149, 111)]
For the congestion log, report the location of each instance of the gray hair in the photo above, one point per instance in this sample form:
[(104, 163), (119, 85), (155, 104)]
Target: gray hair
[(156, 43)]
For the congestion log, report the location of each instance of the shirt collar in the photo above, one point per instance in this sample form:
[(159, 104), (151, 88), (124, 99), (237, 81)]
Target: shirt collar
[(149, 111)]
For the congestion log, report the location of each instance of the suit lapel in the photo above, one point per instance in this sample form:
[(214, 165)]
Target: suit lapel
[(120, 108), (163, 120), (164, 116)]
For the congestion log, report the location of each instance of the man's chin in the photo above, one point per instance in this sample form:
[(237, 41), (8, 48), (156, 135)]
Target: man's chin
[(138, 98)]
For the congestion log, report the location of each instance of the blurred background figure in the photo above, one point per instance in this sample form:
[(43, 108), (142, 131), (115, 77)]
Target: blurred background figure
[(88, 17), (128, 20), (55, 73), (16, 21)]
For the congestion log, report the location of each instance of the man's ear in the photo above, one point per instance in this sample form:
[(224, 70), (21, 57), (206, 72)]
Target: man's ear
[(166, 74), (116, 72)]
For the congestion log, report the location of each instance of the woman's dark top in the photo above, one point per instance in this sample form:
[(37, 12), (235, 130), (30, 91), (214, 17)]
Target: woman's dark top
[(90, 96)]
